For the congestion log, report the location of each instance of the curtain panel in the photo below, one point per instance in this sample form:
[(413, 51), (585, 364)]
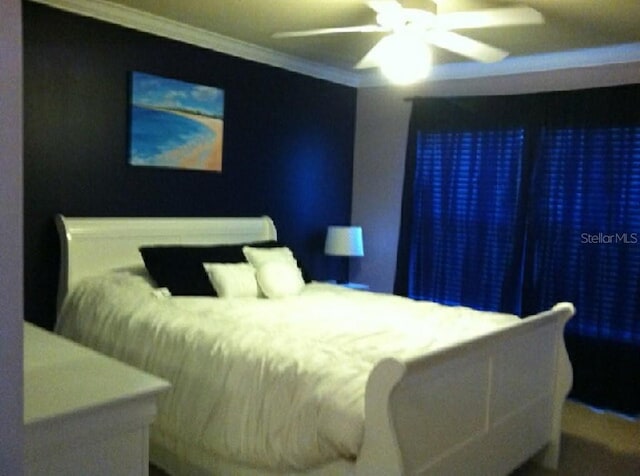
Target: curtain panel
[(514, 203)]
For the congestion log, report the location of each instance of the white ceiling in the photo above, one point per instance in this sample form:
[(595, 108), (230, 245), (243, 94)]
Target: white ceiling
[(575, 33)]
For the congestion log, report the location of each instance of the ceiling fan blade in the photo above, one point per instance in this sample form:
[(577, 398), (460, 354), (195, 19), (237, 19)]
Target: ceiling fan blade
[(465, 46), (491, 17), (371, 59), (330, 31), (384, 6)]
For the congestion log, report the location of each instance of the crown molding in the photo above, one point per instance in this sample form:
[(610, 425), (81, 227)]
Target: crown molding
[(580, 58), (148, 23)]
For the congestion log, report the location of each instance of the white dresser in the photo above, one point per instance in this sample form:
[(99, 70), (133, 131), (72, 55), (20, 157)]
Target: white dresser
[(84, 413)]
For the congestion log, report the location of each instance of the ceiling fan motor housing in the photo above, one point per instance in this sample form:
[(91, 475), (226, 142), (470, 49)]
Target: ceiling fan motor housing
[(427, 5)]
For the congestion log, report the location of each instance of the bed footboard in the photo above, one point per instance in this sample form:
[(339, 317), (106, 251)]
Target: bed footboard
[(484, 407)]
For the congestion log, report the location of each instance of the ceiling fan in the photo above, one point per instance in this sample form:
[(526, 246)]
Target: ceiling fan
[(412, 29)]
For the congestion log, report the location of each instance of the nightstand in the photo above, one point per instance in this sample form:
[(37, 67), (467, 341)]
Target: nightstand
[(360, 286)]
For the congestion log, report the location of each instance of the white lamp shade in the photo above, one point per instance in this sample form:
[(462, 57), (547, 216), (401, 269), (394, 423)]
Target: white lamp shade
[(344, 241)]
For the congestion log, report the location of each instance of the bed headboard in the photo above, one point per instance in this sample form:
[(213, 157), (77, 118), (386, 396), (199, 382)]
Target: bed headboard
[(91, 246)]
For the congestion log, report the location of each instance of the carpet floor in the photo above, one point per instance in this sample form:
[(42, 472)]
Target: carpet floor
[(594, 443)]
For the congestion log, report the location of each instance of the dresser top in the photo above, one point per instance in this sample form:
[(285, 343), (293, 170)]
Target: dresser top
[(62, 377)]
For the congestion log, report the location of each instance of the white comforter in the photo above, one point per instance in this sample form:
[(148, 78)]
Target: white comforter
[(273, 383)]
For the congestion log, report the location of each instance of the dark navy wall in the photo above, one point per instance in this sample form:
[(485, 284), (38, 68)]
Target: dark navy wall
[(287, 150)]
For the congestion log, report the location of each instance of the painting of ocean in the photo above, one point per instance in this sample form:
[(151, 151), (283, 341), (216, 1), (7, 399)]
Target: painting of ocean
[(175, 124)]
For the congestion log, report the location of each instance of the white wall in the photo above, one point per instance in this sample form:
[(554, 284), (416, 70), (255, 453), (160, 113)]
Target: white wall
[(382, 120), (11, 307), (381, 131)]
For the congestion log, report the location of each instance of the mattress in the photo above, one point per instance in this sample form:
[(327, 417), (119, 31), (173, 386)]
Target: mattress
[(270, 383)]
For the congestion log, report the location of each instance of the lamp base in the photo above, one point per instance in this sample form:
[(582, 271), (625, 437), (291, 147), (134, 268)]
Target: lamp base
[(349, 284)]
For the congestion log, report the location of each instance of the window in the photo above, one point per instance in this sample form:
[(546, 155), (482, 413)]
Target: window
[(515, 203)]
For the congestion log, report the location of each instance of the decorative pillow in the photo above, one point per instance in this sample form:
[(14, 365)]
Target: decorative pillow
[(259, 256), (277, 270), (279, 278), (232, 279), (179, 267)]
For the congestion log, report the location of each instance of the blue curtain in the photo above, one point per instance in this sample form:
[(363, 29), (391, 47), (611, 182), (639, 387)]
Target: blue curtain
[(583, 246), (584, 234), (514, 203), (466, 229)]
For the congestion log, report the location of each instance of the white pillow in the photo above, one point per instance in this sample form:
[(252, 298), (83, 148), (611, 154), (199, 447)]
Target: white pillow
[(232, 279), (259, 256), (279, 278), (277, 270)]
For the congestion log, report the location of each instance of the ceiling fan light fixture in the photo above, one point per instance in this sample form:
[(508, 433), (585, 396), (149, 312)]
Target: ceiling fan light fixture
[(414, 26), (404, 58)]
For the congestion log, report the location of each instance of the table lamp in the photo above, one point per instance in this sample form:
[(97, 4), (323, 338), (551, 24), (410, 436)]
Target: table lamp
[(345, 241)]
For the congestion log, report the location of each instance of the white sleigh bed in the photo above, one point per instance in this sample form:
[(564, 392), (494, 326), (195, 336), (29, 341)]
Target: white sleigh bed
[(481, 407)]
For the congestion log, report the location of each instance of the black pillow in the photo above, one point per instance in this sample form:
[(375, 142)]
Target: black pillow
[(179, 267)]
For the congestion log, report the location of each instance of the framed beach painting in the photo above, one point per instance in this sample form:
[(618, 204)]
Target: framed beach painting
[(175, 124)]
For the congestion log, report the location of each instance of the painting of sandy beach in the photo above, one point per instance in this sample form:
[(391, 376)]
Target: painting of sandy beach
[(175, 124)]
